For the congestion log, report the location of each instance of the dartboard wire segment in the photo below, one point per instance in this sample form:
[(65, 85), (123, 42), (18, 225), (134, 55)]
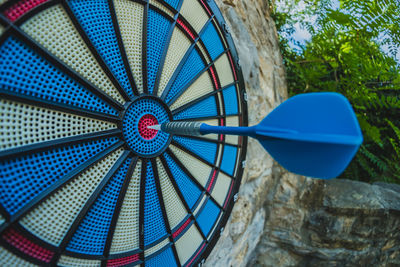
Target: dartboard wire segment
[(83, 181)]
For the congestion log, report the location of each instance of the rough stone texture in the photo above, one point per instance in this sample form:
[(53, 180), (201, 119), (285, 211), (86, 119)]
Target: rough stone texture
[(266, 87), (329, 223), (281, 219)]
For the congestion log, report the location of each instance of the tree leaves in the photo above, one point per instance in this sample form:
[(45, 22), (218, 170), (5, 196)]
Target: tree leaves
[(345, 55)]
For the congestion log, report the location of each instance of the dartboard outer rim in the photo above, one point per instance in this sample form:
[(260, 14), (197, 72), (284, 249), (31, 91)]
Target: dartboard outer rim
[(224, 29)]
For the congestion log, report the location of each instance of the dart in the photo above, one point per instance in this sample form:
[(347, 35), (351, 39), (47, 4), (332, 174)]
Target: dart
[(314, 134)]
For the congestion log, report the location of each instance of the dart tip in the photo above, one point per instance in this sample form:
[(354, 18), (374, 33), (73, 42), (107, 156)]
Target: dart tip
[(156, 127)]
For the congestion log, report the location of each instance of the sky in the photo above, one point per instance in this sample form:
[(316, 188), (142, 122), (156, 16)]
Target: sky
[(301, 35)]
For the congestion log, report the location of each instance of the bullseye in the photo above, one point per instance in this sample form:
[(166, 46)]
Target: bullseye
[(141, 113), (144, 122)]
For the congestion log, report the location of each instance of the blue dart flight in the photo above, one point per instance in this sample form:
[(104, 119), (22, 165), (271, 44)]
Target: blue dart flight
[(314, 134)]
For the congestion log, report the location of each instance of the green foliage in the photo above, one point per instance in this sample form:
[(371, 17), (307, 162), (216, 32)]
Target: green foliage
[(345, 55)]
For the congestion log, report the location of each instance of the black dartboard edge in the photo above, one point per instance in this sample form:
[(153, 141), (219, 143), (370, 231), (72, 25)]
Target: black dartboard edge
[(83, 181)]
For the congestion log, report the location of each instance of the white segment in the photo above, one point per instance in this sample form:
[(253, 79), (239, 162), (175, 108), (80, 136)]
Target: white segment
[(177, 49), (232, 139), (2, 220), (1, 29), (212, 122), (3, 1), (130, 20), (162, 7), (53, 29), (126, 235), (72, 262), (156, 248), (221, 35), (187, 245), (23, 124), (174, 207), (51, 220), (238, 162), (203, 51), (215, 225), (220, 103), (9, 259), (200, 171), (221, 188), (195, 14), (201, 203), (232, 121), (219, 158), (224, 70), (202, 86)]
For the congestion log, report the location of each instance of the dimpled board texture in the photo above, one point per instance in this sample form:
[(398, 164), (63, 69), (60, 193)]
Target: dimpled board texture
[(83, 181), (25, 72), (54, 30), (24, 124)]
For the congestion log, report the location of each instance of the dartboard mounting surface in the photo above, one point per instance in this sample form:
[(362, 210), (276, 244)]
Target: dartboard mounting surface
[(83, 181)]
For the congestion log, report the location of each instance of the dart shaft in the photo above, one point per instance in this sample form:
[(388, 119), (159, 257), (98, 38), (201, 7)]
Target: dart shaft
[(182, 128), (243, 131), (199, 128)]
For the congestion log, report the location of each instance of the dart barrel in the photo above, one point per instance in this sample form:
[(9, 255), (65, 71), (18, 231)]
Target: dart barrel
[(83, 181)]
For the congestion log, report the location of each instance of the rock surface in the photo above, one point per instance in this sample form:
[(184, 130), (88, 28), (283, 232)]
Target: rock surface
[(281, 219)]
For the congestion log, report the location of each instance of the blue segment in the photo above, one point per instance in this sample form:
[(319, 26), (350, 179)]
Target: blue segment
[(154, 227), (91, 235), (204, 149), (25, 177), (212, 41), (230, 100), (193, 66), (165, 258), (207, 217), (204, 108), (229, 159), (24, 72), (157, 30), (95, 18), (173, 3), (189, 190)]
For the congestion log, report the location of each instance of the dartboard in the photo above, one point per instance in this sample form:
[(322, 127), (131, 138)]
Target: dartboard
[(83, 181)]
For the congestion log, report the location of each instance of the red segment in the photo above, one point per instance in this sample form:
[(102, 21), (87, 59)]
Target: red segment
[(180, 230), (229, 194), (206, 7), (20, 8), (186, 28), (123, 261), (144, 122), (197, 254), (212, 181), (233, 66), (26, 246), (214, 77)]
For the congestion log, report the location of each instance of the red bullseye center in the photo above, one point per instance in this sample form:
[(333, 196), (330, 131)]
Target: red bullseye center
[(147, 120)]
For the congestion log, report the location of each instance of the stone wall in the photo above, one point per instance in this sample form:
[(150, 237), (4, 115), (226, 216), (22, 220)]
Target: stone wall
[(281, 219)]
